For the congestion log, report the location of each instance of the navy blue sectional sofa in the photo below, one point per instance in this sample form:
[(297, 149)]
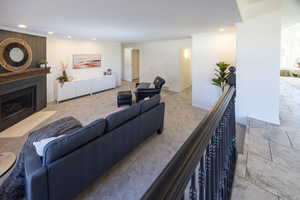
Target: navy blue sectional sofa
[(71, 163)]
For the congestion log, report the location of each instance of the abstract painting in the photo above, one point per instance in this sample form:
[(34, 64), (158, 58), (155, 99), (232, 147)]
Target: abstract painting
[(82, 61)]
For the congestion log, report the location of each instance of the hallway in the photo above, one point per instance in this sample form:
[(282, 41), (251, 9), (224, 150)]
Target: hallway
[(269, 168)]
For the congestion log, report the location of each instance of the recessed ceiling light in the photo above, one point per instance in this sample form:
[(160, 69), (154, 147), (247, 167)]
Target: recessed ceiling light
[(50, 32), (221, 29), (69, 36), (22, 26), (94, 39)]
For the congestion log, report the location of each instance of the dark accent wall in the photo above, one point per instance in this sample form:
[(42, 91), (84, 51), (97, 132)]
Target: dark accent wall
[(37, 44)]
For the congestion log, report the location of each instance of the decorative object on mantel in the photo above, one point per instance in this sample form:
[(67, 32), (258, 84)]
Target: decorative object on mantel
[(43, 63), (64, 77), (15, 54), (82, 61), (221, 75)]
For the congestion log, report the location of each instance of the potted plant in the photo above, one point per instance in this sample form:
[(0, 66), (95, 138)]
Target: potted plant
[(64, 77), (42, 63), (221, 74), (109, 71)]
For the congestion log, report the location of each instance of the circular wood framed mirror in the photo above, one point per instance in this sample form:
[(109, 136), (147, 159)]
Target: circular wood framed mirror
[(15, 54)]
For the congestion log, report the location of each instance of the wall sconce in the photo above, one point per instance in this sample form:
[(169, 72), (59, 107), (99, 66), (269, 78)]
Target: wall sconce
[(187, 53)]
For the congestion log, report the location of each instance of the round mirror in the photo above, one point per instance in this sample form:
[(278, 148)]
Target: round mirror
[(16, 54)]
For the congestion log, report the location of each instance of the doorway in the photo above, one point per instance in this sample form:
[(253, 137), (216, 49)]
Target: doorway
[(135, 56), (131, 67)]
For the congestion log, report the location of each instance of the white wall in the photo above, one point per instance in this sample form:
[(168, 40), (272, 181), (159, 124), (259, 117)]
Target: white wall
[(291, 13), (161, 58), (61, 49), (209, 49), (127, 65), (290, 46), (258, 61)]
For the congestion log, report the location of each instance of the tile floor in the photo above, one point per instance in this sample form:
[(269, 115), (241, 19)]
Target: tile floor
[(269, 167)]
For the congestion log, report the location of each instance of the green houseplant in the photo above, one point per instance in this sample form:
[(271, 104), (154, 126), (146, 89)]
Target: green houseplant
[(64, 77), (221, 74), (42, 63)]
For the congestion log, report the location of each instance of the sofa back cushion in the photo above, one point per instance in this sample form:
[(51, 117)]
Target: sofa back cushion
[(64, 145), (149, 103), (118, 118)]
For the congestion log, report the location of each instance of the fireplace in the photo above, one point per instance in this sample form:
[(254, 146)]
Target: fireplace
[(17, 105)]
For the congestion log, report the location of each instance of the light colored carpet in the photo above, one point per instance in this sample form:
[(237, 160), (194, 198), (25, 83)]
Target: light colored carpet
[(131, 177), (20, 129)]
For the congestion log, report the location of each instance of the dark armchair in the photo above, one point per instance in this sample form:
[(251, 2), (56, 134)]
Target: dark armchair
[(144, 90)]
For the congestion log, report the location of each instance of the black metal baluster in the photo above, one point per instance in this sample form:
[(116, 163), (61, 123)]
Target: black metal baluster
[(218, 174), (221, 152), (233, 141), (229, 150), (193, 189), (226, 157), (214, 174), (201, 178), (207, 169)]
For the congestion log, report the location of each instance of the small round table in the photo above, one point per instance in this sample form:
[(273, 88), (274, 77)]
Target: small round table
[(7, 160)]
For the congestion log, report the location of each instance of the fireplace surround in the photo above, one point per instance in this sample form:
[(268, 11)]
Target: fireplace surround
[(21, 98), (22, 92), (17, 105)]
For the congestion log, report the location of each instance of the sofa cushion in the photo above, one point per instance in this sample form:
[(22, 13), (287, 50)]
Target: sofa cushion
[(64, 145), (150, 103), (143, 85), (118, 118)]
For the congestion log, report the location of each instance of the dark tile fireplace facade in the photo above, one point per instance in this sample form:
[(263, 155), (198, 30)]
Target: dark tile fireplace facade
[(19, 99), (23, 93)]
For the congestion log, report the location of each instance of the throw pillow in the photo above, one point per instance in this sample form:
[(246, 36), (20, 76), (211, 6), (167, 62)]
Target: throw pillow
[(152, 86), (40, 145)]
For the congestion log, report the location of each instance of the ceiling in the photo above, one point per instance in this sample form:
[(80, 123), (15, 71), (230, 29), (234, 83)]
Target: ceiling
[(253, 8), (120, 20)]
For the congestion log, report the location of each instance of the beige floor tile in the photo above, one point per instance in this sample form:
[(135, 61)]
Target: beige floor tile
[(244, 190)]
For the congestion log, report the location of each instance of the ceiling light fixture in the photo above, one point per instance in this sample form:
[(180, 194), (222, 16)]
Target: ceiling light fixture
[(221, 29), (50, 33), (69, 37), (22, 26)]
